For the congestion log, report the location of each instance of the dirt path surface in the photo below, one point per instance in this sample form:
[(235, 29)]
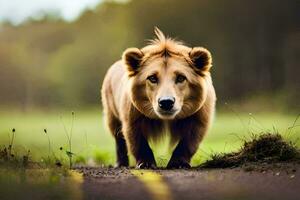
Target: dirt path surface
[(265, 183)]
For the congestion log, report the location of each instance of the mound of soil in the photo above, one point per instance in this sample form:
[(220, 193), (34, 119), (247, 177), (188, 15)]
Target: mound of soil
[(266, 148)]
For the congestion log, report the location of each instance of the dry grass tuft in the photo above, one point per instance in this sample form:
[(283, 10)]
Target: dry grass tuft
[(266, 148)]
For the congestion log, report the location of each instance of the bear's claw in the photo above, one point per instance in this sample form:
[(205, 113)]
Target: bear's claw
[(178, 164), (146, 165)]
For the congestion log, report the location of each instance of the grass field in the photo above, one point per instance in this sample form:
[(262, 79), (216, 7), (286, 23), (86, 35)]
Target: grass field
[(92, 143)]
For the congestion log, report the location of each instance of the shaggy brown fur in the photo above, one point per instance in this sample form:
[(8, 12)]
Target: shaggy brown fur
[(165, 85)]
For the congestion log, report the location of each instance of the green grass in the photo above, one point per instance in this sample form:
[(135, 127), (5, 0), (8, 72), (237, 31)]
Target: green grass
[(92, 143)]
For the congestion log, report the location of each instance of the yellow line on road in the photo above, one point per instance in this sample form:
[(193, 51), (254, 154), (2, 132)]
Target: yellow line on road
[(76, 180), (154, 183)]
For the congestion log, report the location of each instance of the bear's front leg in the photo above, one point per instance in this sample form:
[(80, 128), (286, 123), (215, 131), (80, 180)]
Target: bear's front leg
[(139, 146), (144, 155), (190, 131), (182, 154)]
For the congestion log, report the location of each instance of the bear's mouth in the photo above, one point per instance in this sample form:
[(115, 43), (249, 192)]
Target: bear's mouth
[(167, 114)]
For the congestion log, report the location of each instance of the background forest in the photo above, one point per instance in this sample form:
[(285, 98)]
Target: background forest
[(48, 62)]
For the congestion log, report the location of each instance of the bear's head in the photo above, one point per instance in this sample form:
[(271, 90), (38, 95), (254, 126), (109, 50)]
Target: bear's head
[(168, 80)]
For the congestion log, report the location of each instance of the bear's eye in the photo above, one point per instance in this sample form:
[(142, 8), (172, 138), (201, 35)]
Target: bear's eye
[(153, 79), (180, 79)]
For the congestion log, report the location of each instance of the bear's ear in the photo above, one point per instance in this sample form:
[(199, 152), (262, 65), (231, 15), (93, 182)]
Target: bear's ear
[(132, 58), (201, 58)]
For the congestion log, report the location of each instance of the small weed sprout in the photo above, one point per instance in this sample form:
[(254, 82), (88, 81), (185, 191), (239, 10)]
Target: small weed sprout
[(69, 135), (49, 143), (11, 143), (9, 155), (50, 151), (294, 125)]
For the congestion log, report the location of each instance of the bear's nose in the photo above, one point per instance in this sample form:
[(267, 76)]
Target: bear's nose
[(166, 103)]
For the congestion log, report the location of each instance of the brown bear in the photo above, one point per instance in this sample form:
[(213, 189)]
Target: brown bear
[(162, 87)]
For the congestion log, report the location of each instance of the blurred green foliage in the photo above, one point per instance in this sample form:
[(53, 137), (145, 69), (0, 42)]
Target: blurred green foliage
[(40, 184), (51, 62)]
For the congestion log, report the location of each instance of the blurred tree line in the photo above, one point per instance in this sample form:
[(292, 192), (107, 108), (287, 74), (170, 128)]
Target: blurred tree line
[(255, 46)]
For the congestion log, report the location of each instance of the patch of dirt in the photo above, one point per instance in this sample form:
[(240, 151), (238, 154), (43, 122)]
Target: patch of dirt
[(228, 184), (111, 183), (266, 148), (280, 181)]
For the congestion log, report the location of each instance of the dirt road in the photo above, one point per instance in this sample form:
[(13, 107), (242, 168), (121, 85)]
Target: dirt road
[(208, 184)]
